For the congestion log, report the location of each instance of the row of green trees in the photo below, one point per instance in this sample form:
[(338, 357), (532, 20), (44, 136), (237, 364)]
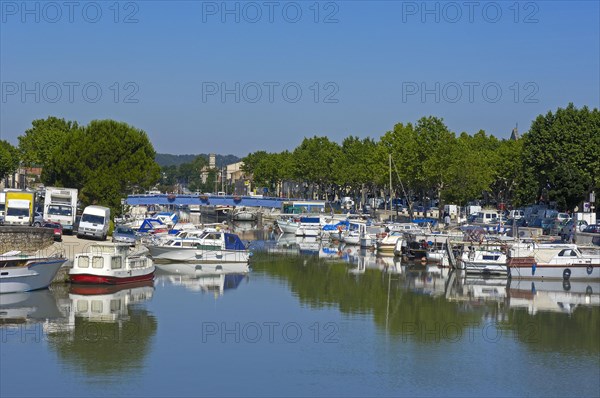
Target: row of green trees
[(557, 160)]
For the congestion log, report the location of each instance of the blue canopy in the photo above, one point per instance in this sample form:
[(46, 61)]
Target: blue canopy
[(233, 242), (334, 227), (149, 224)]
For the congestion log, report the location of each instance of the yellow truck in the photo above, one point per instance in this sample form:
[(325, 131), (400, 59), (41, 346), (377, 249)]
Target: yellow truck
[(19, 208)]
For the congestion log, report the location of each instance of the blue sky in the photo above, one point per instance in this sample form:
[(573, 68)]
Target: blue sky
[(236, 77)]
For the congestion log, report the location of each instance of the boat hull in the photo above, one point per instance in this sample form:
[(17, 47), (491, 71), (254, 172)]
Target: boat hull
[(178, 254), (37, 275), (475, 267), (111, 280), (527, 268)]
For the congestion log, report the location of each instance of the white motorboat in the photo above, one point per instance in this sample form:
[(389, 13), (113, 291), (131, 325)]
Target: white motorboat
[(211, 247), (309, 226), (23, 273), (288, 225), (387, 242), (111, 264), (484, 260), (243, 214), (553, 261)]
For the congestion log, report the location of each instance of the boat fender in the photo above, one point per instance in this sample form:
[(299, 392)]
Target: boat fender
[(566, 274), (588, 290), (533, 268), (590, 269), (566, 285)]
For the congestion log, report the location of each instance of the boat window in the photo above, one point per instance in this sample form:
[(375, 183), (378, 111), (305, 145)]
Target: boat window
[(176, 244), (490, 257), (83, 262), (82, 306), (188, 243), (97, 262), (567, 253), (116, 263), (115, 306), (96, 306)]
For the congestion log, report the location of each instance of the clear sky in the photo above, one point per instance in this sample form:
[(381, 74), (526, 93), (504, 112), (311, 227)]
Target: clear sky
[(236, 77)]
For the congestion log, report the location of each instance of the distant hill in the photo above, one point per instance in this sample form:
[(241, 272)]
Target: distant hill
[(166, 159)]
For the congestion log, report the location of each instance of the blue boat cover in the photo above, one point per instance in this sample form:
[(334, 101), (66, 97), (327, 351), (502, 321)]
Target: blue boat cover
[(149, 224), (233, 242), (334, 227), (315, 220), (422, 221)]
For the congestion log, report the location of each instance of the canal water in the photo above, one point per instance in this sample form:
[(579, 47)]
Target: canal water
[(306, 320)]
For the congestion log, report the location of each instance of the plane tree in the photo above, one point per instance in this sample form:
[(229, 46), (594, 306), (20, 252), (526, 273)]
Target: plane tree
[(561, 150)]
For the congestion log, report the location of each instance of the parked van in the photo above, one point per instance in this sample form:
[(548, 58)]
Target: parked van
[(487, 217), (94, 222), (516, 214)]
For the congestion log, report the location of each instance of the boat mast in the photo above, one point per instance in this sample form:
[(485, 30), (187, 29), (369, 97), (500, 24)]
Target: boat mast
[(391, 192)]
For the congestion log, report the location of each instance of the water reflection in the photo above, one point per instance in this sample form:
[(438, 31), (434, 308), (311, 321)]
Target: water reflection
[(423, 302), (28, 307), (215, 278)]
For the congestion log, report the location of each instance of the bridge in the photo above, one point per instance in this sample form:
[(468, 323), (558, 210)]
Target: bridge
[(214, 200)]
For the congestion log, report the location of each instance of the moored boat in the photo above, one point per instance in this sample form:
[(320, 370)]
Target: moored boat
[(244, 214), (111, 264), (553, 261), (211, 247), (21, 273)]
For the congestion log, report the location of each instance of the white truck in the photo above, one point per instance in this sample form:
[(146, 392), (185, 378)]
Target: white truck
[(95, 221), (60, 205)]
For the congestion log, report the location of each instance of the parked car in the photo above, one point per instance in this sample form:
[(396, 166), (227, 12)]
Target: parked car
[(566, 229), (76, 224), (592, 229), (38, 219), (124, 234), (57, 227)]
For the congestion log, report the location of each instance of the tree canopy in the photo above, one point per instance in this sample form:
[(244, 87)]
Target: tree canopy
[(105, 160), (9, 158)]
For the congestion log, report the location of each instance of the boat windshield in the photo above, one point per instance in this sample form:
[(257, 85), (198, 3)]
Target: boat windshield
[(60, 210)]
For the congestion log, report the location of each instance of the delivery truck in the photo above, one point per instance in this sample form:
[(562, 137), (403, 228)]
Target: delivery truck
[(19, 208), (60, 205)]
